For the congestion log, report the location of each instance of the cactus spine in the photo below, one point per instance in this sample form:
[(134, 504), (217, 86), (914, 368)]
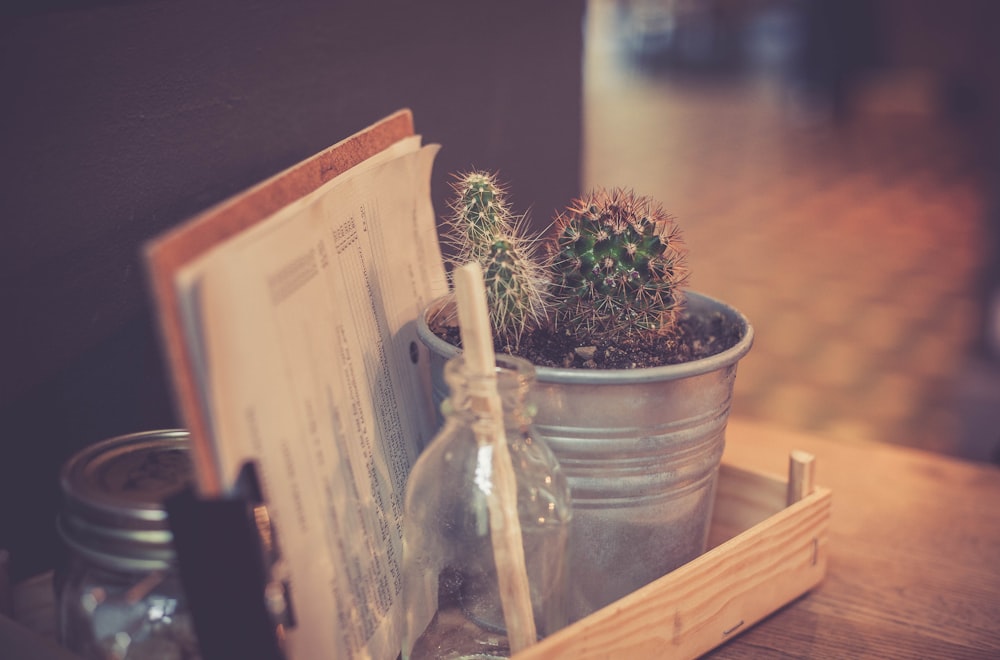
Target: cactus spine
[(483, 229), (618, 265)]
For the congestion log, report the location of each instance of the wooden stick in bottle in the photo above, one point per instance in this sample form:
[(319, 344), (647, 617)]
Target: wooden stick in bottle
[(505, 526)]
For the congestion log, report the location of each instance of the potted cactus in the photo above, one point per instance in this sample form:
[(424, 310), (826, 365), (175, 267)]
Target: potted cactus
[(634, 374)]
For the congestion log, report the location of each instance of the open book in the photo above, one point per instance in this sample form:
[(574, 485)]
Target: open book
[(288, 316)]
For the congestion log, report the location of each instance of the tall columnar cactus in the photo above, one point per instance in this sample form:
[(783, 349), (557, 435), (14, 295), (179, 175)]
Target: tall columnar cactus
[(479, 213), (618, 265), (483, 229)]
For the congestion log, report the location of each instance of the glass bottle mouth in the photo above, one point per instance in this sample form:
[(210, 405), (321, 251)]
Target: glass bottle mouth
[(509, 367), (513, 380)]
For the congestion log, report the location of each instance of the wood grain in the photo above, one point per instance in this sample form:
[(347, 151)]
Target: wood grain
[(913, 552), (777, 554), (912, 562)]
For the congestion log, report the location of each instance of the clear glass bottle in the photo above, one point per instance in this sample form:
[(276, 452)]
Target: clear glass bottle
[(450, 584), (119, 595)]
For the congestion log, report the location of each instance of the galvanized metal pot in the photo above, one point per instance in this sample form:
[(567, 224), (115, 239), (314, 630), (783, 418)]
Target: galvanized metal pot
[(641, 450)]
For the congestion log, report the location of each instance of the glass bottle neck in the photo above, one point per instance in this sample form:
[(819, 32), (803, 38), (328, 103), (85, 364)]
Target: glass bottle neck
[(468, 394)]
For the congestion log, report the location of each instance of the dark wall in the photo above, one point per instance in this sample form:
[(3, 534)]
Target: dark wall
[(121, 119)]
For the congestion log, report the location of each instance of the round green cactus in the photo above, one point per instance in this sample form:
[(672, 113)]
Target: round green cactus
[(483, 229), (617, 263)]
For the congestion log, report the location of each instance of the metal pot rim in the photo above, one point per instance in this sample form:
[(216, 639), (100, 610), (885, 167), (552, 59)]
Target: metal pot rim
[(622, 376)]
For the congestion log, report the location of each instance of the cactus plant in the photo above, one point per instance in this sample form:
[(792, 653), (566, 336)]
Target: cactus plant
[(483, 229), (479, 213), (614, 266), (618, 265)]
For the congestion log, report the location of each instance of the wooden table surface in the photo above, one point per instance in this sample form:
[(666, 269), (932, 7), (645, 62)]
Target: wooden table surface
[(914, 554)]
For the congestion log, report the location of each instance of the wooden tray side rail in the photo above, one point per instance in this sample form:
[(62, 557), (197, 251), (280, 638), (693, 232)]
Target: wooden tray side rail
[(764, 554)]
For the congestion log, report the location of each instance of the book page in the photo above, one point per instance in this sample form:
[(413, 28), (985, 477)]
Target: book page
[(307, 346)]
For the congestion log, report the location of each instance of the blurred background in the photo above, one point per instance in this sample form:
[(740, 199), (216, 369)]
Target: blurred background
[(834, 165)]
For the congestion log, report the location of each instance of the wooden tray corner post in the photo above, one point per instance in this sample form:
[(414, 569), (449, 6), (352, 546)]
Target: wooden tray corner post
[(801, 476)]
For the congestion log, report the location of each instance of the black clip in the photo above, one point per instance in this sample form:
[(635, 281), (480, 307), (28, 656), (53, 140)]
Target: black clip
[(232, 572)]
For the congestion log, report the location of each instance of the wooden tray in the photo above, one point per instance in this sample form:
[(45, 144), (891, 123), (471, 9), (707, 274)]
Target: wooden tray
[(768, 547), (764, 555)]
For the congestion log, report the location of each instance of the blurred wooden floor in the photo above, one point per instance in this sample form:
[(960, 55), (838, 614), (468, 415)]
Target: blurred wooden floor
[(854, 249)]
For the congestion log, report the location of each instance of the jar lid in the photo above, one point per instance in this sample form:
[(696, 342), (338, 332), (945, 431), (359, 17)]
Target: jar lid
[(114, 493)]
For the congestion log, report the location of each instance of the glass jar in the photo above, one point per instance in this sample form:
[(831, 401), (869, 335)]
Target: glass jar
[(450, 584), (119, 595)]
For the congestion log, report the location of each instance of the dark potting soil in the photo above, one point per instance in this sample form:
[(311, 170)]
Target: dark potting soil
[(696, 337)]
